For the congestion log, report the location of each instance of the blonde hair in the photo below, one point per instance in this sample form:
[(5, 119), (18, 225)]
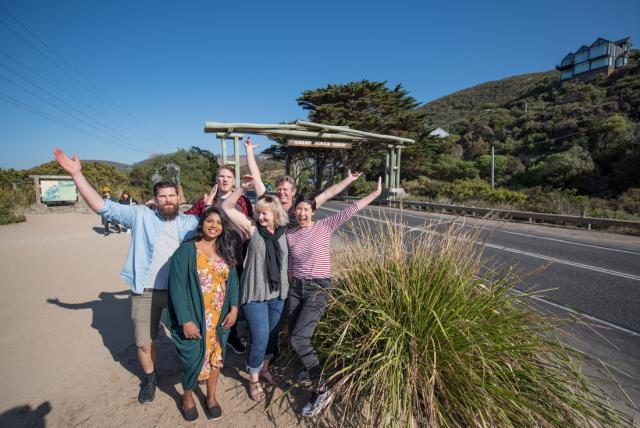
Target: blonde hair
[(271, 203), (228, 167)]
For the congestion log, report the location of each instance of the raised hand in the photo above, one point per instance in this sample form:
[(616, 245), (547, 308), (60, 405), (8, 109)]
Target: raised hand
[(71, 166), (353, 176), (212, 195), (247, 182), (248, 146), (379, 188)]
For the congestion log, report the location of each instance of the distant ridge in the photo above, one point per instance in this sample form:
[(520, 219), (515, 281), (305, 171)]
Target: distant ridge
[(123, 167), (466, 102)]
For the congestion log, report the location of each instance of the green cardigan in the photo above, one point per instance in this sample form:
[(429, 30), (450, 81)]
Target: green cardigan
[(185, 304)]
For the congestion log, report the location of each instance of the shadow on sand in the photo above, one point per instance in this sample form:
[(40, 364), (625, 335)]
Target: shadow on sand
[(25, 416), (112, 319)]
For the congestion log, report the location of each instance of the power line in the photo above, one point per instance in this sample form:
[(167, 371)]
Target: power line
[(17, 103), (113, 132), (92, 87), (85, 105), (57, 107)]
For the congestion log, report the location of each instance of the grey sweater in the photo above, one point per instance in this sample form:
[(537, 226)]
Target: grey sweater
[(254, 284)]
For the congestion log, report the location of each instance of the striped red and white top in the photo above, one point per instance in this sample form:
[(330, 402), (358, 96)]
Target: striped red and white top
[(310, 248)]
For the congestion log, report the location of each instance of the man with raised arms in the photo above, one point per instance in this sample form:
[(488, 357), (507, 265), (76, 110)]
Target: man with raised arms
[(156, 234)]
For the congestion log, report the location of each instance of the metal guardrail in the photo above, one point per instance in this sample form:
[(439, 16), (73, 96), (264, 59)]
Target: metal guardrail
[(525, 215)]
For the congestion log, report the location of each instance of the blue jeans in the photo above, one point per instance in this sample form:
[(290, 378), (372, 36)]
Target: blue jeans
[(264, 324)]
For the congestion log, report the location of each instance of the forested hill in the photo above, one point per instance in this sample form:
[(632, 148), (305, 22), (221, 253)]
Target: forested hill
[(584, 136)]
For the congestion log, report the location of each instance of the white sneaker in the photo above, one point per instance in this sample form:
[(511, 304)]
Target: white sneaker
[(318, 402)]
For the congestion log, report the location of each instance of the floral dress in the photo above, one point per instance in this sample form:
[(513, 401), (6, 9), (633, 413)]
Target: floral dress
[(213, 274)]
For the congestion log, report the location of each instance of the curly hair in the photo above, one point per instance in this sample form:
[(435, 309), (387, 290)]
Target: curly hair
[(228, 241)]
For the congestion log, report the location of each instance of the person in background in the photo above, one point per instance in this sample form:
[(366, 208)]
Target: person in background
[(203, 305), (286, 186), (156, 234), (126, 199), (264, 284), (310, 269), (106, 194)]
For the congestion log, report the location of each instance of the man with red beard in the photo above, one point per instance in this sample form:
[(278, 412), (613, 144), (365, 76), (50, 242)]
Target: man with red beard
[(156, 234)]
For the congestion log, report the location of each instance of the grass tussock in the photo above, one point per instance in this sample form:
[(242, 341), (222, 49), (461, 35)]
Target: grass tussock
[(415, 336)]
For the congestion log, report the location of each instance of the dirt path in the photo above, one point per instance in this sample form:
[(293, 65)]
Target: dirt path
[(67, 356)]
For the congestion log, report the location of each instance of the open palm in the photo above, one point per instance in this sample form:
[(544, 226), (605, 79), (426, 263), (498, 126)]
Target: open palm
[(249, 146), (71, 166)]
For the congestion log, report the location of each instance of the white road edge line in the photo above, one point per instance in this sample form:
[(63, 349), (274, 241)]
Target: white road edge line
[(531, 236), (581, 314), (516, 251), (539, 299)]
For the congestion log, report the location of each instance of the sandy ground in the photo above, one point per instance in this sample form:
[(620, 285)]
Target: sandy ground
[(67, 354)]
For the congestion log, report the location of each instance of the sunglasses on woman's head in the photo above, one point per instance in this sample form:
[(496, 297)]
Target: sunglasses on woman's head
[(267, 198)]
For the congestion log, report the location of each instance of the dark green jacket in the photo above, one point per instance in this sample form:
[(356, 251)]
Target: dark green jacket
[(185, 304)]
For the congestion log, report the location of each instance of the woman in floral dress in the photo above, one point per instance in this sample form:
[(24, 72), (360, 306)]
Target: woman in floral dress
[(203, 305)]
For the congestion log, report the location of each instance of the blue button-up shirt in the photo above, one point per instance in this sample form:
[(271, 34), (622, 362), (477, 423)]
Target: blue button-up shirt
[(146, 226)]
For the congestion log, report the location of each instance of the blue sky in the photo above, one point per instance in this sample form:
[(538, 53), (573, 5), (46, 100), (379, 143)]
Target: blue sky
[(159, 69)]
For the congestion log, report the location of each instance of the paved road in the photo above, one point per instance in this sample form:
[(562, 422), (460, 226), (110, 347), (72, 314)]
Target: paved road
[(593, 274)]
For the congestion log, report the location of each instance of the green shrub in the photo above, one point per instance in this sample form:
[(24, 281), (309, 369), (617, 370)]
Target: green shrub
[(630, 201), (423, 186), (557, 201), (7, 216), (415, 336), (448, 168), (466, 190)]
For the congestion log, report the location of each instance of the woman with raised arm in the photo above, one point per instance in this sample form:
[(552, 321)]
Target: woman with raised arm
[(286, 186), (264, 284), (310, 268), (203, 305)]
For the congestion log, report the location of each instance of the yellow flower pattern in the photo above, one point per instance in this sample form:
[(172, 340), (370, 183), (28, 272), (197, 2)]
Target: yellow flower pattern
[(213, 274)]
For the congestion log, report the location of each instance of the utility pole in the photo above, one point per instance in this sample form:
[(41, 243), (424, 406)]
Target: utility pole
[(526, 107), (493, 165)]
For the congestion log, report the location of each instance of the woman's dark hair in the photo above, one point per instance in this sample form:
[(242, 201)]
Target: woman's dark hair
[(308, 199), (227, 243)]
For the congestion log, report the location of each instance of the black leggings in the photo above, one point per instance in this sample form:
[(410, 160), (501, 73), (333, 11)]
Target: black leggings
[(308, 299)]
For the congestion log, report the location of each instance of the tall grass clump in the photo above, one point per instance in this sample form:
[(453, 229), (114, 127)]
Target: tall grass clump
[(420, 333)]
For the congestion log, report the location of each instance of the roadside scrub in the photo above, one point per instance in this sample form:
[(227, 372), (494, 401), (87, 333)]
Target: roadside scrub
[(421, 332)]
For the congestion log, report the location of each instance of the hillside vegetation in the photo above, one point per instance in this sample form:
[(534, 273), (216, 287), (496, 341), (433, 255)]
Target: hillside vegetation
[(571, 139)]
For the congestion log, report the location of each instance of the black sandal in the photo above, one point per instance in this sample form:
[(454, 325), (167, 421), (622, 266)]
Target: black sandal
[(191, 414), (215, 412)]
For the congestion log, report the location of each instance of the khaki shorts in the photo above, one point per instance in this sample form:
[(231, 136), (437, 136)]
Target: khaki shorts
[(146, 310)]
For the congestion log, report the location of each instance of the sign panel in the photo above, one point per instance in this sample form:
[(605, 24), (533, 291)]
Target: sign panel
[(58, 191), (318, 144)]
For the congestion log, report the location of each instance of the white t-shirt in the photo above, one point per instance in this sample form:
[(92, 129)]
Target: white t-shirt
[(167, 243)]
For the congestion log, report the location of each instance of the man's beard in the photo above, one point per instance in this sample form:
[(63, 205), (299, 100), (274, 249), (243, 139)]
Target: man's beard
[(168, 212)]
